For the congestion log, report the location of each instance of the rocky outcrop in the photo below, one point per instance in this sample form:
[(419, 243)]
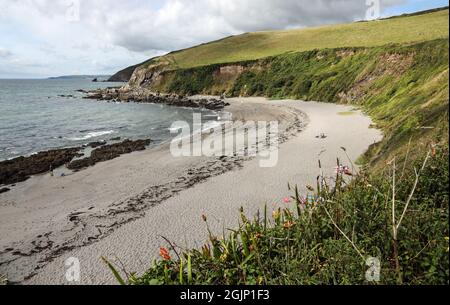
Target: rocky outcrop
[(125, 74), (96, 144), (140, 95), (109, 152), (22, 168), (4, 190)]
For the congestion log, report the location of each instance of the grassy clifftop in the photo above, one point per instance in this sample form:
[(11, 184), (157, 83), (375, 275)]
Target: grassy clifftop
[(250, 46)]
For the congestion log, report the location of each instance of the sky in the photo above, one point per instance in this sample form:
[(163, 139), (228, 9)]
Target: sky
[(43, 38)]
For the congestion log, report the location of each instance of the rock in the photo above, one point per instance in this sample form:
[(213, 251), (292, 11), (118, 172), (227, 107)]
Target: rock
[(20, 169), (109, 152), (4, 190), (95, 80), (144, 96), (96, 144)]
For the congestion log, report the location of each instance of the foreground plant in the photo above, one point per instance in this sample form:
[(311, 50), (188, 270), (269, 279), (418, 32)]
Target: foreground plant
[(3, 280), (399, 218)]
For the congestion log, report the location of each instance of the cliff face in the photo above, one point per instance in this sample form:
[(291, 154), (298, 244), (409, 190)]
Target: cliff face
[(161, 77), (123, 75)]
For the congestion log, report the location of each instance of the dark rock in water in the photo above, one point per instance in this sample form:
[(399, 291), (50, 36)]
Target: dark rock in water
[(96, 144), (116, 139), (95, 80), (109, 152), (4, 190), (20, 169)]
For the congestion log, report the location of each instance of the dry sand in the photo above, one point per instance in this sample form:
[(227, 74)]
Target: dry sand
[(121, 208)]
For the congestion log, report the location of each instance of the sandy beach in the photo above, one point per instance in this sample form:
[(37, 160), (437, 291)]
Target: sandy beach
[(122, 208)]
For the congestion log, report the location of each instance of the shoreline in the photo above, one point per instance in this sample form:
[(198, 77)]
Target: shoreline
[(85, 210)]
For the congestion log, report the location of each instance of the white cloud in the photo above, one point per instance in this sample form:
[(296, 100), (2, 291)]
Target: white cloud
[(114, 33), (4, 53)]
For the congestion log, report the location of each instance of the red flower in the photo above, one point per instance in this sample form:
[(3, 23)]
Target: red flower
[(287, 200), (165, 254)]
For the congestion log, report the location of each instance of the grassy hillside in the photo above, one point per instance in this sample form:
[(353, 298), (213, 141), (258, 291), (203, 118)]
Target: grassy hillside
[(257, 45)]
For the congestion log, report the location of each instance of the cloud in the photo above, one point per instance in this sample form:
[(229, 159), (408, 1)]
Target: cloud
[(5, 53), (179, 24), (88, 34)]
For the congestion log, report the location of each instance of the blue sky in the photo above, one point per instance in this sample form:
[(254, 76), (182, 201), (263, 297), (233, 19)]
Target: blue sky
[(414, 6), (41, 38)]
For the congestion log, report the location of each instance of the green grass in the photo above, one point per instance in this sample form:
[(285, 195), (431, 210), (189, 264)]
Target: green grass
[(258, 45)]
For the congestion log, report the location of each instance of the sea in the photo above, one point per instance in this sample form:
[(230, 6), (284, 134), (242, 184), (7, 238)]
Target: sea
[(39, 115)]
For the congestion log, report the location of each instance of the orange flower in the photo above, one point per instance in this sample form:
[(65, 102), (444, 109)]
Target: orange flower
[(165, 254), (289, 225)]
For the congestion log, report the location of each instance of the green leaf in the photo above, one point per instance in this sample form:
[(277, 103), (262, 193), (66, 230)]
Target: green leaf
[(114, 271)]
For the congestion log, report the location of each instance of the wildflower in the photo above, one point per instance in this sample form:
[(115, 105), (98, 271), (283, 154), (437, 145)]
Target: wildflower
[(347, 171), (289, 225), (287, 200), (303, 200), (251, 248), (276, 214), (433, 150), (164, 253), (224, 257), (258, 235)]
